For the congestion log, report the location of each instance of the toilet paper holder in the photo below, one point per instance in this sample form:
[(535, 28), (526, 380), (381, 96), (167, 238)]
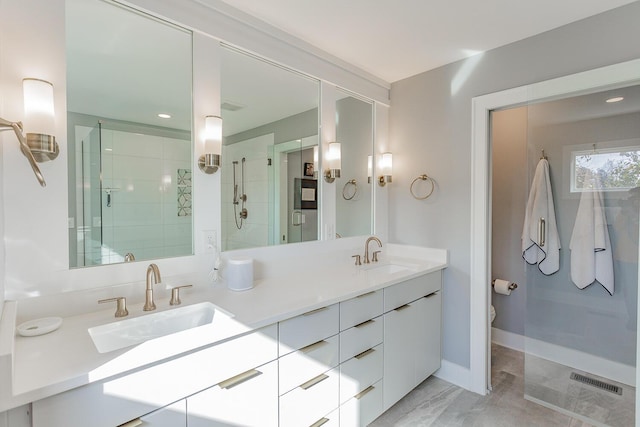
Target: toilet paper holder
[(512, 286)]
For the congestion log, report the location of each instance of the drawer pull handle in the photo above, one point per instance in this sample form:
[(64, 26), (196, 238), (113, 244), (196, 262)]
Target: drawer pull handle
[(365, 323), (431, 294), (402, 307), (363, 392), (314, 381), (317, 310), (314, 346), (364, 353), (320, 422), (132, 423), (366, 295), (239, 379)]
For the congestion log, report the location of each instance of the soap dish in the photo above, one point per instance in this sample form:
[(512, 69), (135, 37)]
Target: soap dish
[(37, 327)]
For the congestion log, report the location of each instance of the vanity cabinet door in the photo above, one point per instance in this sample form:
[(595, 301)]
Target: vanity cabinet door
[(249, 399), (428, 342), (174, 415), (399, 347)]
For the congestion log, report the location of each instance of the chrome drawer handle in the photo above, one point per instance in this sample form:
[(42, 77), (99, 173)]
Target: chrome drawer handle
[(365, 323), (317, 310), (239, 379), (314, 346), (542, 226), (364, 353), (367, 294), (402, 307), (320, 422), (363, 392), (314, 381)]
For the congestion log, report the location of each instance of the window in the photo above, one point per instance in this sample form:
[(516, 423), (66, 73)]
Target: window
[(617, 167)]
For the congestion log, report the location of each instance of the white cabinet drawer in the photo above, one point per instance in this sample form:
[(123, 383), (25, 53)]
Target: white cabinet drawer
[(362, 409), (308, 362), (308, 328), (113, 402), (406, 292), (360, 372), (249, 400), (360, 338), (306, 404), (360, 309)]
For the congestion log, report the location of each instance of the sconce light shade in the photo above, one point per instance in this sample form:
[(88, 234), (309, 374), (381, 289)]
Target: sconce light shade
[(334, 162), (209, 162), (386, 169), (369, 168), (315, 161), (39, 119)]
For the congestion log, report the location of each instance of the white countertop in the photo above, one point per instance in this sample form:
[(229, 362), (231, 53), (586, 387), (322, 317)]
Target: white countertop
[(67, 358)]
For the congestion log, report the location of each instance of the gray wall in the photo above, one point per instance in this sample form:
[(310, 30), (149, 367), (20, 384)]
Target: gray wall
[(430, 132), (509, 199)]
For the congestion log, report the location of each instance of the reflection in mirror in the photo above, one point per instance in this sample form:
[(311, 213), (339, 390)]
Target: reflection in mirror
[(270, 126), (354, 131), (129, 135)]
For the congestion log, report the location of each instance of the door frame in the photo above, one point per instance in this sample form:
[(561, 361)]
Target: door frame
[(617, 75)]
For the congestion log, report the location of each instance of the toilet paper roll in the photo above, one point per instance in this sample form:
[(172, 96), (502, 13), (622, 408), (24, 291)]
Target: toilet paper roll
[(240, 274), (502, 286)]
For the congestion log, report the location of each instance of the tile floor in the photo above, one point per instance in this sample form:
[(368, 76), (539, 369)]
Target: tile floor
[(440, 404)]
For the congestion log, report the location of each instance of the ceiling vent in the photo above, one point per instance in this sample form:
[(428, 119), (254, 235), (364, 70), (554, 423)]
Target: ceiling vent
[(231, 106)]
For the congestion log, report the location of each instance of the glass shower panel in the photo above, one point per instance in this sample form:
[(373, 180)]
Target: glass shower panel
[(581, 309), (91, 228)]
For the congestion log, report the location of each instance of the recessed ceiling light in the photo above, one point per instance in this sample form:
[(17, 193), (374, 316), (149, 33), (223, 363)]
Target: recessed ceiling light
[(164, 116), (615, 99)]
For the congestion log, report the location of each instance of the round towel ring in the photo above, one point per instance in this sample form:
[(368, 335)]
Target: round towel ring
[(423, 177), (346, 186)]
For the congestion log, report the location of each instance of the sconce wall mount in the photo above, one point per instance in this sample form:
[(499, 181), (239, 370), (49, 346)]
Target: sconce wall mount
[(209, 162)]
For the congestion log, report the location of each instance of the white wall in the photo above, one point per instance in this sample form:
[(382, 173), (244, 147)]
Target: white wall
[(430, 132)]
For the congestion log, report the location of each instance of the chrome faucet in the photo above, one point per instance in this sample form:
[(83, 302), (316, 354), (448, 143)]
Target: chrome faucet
[(153, 277), (366, 249)]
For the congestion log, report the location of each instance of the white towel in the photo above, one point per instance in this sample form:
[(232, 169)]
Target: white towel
[(591, 255), (545, 253)]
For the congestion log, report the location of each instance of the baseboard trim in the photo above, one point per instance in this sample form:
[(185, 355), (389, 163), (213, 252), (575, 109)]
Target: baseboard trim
[(454, 374), (576, 359)]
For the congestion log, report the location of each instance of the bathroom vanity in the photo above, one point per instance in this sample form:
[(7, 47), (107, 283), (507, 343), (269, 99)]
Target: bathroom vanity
[(338, 350)]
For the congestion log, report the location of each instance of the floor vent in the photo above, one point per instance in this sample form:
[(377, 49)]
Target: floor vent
[(596, 383)]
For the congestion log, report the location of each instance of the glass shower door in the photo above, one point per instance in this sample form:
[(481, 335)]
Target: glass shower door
[(91, 234), (581, 299)]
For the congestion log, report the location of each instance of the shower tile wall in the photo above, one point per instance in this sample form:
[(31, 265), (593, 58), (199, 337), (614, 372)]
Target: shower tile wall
[(142, 215), (256, 228)]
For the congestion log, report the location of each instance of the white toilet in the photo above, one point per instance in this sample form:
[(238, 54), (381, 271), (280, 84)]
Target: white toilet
[(493, 313)]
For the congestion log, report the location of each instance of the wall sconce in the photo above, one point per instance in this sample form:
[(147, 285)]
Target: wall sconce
[(39, 144), (209, 162), (315, 161), (386, 169), (334, 162), (369, 168)]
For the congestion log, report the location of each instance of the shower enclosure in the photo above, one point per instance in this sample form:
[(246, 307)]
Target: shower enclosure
[(133, 195), (580, 325)]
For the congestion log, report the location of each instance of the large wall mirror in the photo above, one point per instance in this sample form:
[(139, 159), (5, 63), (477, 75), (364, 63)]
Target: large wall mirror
[(270, 128), (354, 191), (129, 100)]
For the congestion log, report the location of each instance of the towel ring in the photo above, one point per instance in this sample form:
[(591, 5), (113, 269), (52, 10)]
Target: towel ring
[(351, 182), (423, 177)]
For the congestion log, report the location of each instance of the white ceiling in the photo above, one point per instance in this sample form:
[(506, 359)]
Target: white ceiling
[(395, 39)]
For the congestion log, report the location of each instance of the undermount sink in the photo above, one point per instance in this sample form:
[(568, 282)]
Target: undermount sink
[(125, 333)]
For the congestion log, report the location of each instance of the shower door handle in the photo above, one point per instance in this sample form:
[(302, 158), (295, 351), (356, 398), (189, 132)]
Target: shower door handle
[(542, 228)]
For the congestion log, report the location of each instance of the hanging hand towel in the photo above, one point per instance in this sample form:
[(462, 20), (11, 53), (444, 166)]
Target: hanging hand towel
[(540, 239), (591, 255)]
